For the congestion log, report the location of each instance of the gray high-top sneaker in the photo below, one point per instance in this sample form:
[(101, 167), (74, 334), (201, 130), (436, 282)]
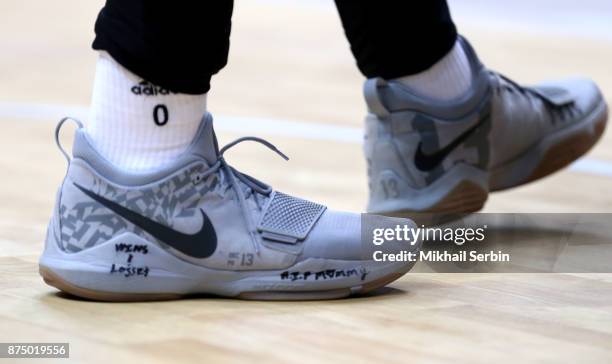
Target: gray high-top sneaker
[(200, 226), (427, 156)]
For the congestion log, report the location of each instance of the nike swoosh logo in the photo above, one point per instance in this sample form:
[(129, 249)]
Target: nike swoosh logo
[(427, 162), (199, 245)]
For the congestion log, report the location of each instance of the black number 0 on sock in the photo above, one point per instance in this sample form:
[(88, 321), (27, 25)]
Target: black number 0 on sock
[(160, 114)]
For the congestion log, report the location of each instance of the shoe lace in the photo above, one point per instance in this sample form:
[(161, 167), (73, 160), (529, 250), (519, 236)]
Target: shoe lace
[(505, 83), (235, 179)]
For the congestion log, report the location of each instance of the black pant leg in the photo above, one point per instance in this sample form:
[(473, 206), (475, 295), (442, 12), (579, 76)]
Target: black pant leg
[(178, 45), (394, 38)]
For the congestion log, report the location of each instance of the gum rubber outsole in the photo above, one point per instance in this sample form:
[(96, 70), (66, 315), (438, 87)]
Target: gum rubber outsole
[(466, 197), (56, 281)]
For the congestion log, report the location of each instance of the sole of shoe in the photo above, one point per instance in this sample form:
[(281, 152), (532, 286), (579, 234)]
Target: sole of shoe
[(554, 152), (150, 273), (54, 280), (465, 198)]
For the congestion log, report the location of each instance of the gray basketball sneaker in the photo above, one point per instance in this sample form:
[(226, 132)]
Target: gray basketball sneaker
[(200, 226), (444, 157)]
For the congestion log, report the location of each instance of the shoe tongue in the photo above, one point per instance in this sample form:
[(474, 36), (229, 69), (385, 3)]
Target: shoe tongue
[(204, 143)]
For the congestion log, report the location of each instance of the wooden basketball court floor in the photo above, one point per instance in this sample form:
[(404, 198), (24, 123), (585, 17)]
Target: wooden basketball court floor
[(291, 63)]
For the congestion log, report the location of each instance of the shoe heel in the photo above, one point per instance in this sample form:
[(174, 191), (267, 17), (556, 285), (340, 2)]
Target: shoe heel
[(125, 268), (464, 189), (466, 197), (54, 280)]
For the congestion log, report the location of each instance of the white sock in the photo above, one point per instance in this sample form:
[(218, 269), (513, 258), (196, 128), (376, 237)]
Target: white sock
[(448, 79), (138, 126)]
